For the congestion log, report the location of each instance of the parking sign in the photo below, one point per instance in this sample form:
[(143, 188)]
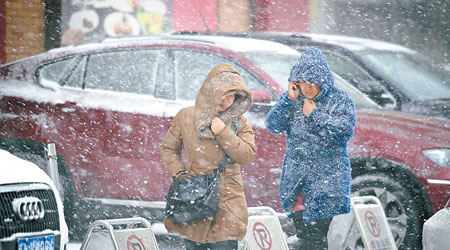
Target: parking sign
[(372, 222)]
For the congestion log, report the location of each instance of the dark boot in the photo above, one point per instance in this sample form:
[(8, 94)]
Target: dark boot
[(313, 235), (221, 245)]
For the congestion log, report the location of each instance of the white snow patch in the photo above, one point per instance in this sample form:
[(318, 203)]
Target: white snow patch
[(73, 246), (8, 116), (49, 84), (16, 170), (43, 121), (246, 44), (159, 228), (95, 99)]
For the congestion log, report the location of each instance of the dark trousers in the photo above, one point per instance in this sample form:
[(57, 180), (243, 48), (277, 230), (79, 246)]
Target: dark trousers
[(312, 235), (221, 245)]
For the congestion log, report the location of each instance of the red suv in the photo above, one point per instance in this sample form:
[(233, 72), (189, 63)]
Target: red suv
[(108, 105)]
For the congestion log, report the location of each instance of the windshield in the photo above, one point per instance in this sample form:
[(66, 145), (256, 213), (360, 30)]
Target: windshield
[(278, 66), (414, 74)]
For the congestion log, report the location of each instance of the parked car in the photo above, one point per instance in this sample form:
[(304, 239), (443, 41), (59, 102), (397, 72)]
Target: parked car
[(393, 76), (31, 210), (107, 106)]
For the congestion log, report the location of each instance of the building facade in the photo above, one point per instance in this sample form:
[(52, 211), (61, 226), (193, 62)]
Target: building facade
[(29, 27)]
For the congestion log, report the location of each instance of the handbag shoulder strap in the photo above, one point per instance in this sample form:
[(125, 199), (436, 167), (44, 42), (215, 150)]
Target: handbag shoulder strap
[(224, 161)]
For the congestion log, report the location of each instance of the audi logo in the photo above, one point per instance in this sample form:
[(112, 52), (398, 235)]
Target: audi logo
[(28, 208)]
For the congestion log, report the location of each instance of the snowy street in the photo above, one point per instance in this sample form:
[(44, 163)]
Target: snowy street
[(226, 124)]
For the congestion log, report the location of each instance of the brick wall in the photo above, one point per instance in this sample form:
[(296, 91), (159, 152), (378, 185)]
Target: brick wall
[(24, 28)]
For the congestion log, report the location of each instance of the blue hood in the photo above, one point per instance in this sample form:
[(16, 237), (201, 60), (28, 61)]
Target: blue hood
[(312, 67)]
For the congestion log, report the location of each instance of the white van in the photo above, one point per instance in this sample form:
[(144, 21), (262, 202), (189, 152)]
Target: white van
[(31, 211)]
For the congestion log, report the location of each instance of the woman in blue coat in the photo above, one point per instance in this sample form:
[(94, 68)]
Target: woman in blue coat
[(318, 120)]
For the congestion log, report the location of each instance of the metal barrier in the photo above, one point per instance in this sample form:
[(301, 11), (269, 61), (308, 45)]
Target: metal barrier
[(123, 234), (264, 230)]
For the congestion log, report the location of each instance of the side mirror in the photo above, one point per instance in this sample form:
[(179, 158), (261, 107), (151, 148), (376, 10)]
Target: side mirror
[(261, 95)]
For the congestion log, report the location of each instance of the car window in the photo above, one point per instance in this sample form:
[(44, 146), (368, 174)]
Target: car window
[(165, 84), (53, 72), (359, 99), (75, 78), (192, 67), (131, 71), (346, 69), (360, 79)]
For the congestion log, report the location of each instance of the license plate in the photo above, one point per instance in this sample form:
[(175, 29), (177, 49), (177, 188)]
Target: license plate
[(37, 243)]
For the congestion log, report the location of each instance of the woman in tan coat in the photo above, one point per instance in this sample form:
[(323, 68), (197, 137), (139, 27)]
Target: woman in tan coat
[(196, 142)]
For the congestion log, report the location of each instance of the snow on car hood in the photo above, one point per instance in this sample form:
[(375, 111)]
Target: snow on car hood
[(16, 170)]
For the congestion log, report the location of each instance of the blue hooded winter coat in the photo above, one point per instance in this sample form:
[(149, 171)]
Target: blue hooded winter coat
[(316, 161)]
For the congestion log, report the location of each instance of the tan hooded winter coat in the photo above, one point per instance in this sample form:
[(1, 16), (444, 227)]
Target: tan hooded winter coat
[(190, 145)]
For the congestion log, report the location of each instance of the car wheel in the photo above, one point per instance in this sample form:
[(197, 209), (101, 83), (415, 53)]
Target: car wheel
[(403, 211)]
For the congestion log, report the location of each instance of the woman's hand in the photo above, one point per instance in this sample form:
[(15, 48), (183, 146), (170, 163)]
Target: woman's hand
[(308, 106), (217, 125), (293, 90)]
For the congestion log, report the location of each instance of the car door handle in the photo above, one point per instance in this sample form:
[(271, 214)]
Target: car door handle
[(68, 106)]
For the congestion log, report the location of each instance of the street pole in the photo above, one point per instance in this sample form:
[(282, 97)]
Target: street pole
[(52, 167)]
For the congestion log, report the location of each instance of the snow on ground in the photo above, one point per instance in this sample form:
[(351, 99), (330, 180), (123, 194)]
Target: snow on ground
[(73, 246)]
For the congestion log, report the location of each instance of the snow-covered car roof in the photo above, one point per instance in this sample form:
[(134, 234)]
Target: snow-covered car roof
[(237, 44), (355, 43), (350, 43), (240, 44)]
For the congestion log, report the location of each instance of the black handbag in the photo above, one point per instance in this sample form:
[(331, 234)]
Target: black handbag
[(197, 197)]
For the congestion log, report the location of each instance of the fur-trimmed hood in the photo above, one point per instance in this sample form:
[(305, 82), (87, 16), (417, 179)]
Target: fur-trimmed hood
[(220, 80)]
